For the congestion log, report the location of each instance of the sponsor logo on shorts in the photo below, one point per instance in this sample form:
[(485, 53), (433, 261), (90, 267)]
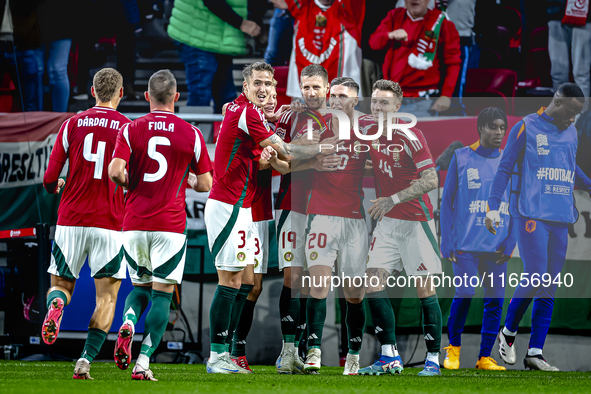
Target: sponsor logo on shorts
[(256, 263), (241, 256), (530, 226), (422, 267), (367, 261), (313, 255), (288, 256)]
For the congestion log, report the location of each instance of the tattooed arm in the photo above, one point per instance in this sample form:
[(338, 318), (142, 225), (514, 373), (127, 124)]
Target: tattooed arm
[(290, 152), (425, 184)]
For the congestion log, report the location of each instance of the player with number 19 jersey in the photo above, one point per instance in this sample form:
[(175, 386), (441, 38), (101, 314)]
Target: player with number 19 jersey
[(160, 148)]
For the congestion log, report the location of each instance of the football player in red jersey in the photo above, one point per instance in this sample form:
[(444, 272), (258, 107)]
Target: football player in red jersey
[(404, 173), (159, 149), (337, 231), (90, 215), (262, 214), (228, 215), (290, 213)]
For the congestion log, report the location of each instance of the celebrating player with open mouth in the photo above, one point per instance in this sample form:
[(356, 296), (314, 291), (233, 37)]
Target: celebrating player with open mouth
[(228, 215)]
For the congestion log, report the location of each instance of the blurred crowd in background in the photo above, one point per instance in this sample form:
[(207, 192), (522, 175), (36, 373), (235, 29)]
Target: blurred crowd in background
[(440, 51)]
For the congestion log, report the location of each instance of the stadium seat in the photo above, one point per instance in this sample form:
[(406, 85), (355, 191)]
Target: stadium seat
[(498, 42), (7, 89), (281, 73), (498, 85), (537, 68)]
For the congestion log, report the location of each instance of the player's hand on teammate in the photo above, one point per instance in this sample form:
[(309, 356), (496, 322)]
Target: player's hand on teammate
[(250, 28), (398, 35), (281, 4), (492, 220), (327, 163), (331, 145), (441, 104), (297, 106), (60, 185), (277, 115), (303, 139), (381, 207), (268, 153), (368, 165)]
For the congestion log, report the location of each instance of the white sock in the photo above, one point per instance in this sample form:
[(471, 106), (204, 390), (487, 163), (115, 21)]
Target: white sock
[(84, 359), (509, 333), (214, 356), (433, 357), (534, 351), (389, 350), (289, 346), (143, 361)]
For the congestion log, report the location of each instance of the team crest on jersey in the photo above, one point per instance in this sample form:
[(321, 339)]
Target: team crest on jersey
[(288, 256), (280, 131), (396, 153), (256, 263), (375, 144), (530, 226), (241, 256), (313, 255)]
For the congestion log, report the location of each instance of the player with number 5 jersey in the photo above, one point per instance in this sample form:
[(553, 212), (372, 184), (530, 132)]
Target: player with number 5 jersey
[(159, 149), (90, 215)]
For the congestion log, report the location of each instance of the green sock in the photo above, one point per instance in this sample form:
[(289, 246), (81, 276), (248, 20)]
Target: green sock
[(289, 312), (237, 310), (136, 303), (301, 328), (94, 342), (355, 326), (219, 316), (156, 321), (432, 323), (316, 314), (244, 325), (56, 294), (383, 317)]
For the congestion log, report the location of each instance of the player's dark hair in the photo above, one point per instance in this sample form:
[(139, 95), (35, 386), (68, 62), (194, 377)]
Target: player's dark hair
[(388, 86), (106, 83), (487, 116), (572, 90), (315, 70), (345, 81), (248, 70), (162, 87)]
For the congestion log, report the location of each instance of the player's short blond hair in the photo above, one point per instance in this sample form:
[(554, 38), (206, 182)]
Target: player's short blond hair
[(388, 86), (107, 83)]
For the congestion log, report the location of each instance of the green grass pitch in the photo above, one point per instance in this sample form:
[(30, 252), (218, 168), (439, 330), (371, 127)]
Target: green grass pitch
[(56, 377)]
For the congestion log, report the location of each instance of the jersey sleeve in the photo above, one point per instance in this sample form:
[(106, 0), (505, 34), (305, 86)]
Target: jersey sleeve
[(297, 7), (421, 154), (255, 125), (514, 147), (58, 158), (123, 146), (200, 163)]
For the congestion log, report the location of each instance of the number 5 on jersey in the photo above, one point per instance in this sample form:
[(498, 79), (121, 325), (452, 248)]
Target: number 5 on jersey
[(159, 157)]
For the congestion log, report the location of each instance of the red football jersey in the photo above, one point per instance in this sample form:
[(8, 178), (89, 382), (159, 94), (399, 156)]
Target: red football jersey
[(340, 193), (395, 164), (295, 187), (243, 128), (159, 149), (89, 198)]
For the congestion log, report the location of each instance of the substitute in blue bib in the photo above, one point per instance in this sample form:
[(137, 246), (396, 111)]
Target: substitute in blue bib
[(540, 161), (466, 241)]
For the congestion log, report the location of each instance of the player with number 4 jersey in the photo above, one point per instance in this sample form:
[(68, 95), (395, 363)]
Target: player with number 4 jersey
[(90, 214), (159, 149)]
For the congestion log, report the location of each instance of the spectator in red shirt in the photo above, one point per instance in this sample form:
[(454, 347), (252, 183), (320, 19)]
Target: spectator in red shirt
[(423, 56)]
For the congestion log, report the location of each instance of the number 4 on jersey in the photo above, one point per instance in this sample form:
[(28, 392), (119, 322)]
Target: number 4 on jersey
[(97, 158)]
